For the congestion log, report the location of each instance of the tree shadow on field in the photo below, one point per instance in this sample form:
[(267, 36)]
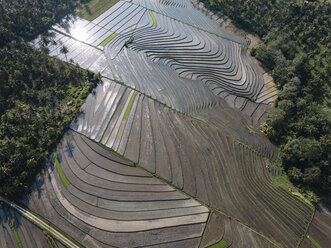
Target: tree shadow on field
[(73, 124), (13, 226), (38, 189), (10, 221), (324, 205), (69, 147)]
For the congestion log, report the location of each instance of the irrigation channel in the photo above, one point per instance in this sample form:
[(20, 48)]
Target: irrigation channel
[(167, 150)]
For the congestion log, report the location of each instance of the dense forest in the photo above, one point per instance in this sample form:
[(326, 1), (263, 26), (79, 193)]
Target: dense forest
[(296, 47), (34, 91)]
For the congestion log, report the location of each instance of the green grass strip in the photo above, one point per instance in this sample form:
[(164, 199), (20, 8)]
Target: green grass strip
[(51, 242), (18, 240), (313, 241), (17, 237), (153, 17), (59, 170), (220, 244), (130, 105), (94, 8), (109, 38)]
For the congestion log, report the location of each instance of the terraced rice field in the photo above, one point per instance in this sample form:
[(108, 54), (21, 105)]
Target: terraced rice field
[(114, 203), (173, 52), (166, 152), (16, 231), (221, 229), (216, 169)]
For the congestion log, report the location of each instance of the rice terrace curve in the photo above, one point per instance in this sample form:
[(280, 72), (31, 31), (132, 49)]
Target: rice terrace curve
[(166, 151)]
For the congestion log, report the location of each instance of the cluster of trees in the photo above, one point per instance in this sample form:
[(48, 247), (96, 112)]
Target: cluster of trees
[(296, 46), (28, 18), (34, 91)]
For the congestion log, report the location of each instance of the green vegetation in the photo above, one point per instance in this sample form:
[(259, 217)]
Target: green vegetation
[(296, 39), (17, 237), (34, 92), (51, 242), (129, 41), (153, 18), (284, 182), (127, 112), (18, 240), (64, 179), (220, 244), (26, 19), (108, 39), (313, 241), (91, 9)]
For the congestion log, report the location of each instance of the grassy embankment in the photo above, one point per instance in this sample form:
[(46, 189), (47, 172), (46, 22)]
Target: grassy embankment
[(220, 244), (108, 39), (313, 241), (284, 181), (18, 240), (153, 18), (59, 170), (127, 112)]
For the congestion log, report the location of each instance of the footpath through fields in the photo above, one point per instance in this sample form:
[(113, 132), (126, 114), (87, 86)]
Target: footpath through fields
[(41, 223)]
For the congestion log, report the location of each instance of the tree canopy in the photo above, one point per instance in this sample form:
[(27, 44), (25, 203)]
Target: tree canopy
[(34, 91)]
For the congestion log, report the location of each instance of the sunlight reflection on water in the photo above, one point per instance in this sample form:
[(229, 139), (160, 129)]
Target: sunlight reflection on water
[(79, 33)]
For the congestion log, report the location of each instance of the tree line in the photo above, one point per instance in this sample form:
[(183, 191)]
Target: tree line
[(296, 46), (34, 91)]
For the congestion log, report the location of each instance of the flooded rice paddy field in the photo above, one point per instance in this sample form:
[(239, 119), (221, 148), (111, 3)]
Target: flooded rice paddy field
[(166, 151)]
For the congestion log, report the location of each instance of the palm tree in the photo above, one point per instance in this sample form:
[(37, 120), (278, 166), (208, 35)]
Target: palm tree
[(64, 50)]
